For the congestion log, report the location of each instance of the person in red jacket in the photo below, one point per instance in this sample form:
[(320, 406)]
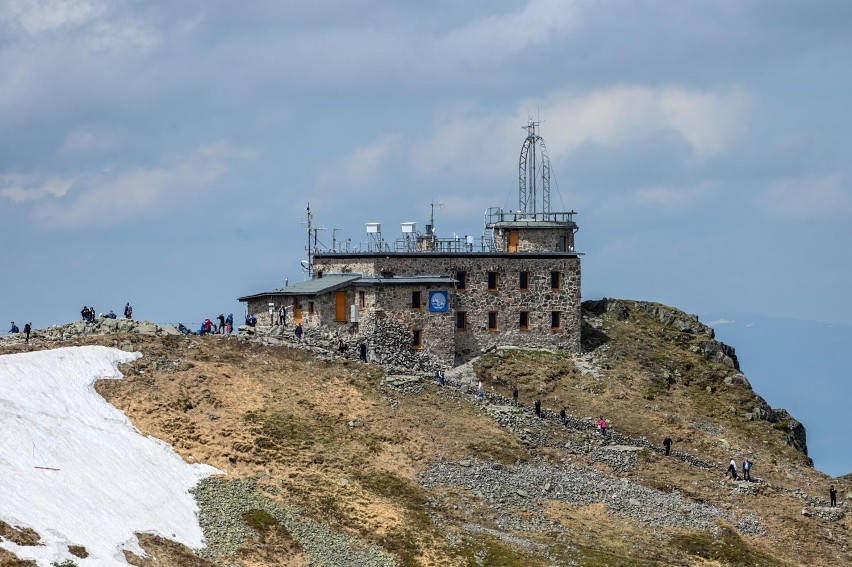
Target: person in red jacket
[(602, 425)]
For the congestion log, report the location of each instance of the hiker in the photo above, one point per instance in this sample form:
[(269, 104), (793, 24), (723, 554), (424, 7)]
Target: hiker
[(480, 391), (747, 470), (27, 328), (14, 328), (667, 443), (183, 329), (538, 407), (341, 346), (85, 313), (515, 394), (563, 415), (439, 376), (298, 332), (362, 351), (252, 321), (110, 315), (732, 468), (128, 311), (91, 314), (221, 329), (229, 323), (833, 495), (282, 316), (602, 425)]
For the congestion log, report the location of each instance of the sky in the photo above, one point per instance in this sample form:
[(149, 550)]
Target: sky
[(78, 481), (164, 153)]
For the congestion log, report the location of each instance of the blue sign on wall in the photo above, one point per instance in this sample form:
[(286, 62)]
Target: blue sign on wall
[(439, 301)]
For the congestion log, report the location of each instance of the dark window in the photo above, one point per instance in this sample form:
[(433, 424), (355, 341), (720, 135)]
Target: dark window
[(555, 280), (524, 320), (492, 320), (311, 307), (492, 281), (362, 299), (415, 299), (555, 319), (461, 280), (416, 339), (461, 320), (524, 282)]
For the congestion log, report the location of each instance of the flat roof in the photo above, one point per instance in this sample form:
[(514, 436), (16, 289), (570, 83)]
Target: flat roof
[(431, 254), (332, 282)]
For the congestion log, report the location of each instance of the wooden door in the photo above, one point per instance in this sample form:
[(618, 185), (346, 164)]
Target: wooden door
[(297, 311), (340, 306), (513, 237)]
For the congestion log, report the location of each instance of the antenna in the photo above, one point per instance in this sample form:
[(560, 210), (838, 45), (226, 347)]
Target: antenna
[(308, 265), (531, 180), (430, 230)]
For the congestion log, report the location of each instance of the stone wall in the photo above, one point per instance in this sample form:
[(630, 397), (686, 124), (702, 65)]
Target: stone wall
[(548, 239), (539, 300)]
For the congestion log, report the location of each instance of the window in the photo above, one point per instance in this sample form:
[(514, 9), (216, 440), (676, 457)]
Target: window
[(492, 320), (461, 320), (562, 244), (461, 280), (415, 300), (311, 307), (555, 319), (524, 282), (492, 281), (417, 339), (555, 280), (524, 321), (362, 299)]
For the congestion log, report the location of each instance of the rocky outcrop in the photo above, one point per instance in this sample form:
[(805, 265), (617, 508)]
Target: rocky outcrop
[(796, 435), (101, 326)]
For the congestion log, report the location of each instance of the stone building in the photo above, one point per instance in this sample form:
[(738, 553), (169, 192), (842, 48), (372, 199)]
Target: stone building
[(446, 300)]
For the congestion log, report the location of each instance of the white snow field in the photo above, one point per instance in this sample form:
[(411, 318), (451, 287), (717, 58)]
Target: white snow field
[(74, 469)]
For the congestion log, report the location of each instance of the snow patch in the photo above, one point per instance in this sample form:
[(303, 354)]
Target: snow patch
[(74, 469)]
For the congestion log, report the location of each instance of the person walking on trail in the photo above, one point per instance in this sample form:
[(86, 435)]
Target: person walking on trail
[(538, 407), (14, 329), (732, 468), (362, 351), (602, 425), (480, 391), (515, 394), (298, 332), (833, 495), (282, 316), (229, 323), (563, 415), (221, 329), (667, 443), (27, 328), (747, 470), (128, 311)]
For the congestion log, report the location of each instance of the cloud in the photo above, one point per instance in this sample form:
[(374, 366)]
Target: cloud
[(39, 16), (23, 188), (721, 322), (85, 142), (809, 198), (672, 198), (497, 36), (114, 198), (361, 167)]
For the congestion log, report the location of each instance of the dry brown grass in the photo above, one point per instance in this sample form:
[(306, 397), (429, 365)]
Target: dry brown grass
[(249, 409)]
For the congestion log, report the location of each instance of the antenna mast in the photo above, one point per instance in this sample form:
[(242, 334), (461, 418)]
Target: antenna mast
[(533, 172), (310, 251)]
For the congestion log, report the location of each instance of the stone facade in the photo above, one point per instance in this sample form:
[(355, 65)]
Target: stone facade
[(539, 299), (536, 239)]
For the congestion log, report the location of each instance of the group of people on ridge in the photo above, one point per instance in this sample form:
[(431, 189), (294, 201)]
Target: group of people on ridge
[(88, 313), (27, 329)]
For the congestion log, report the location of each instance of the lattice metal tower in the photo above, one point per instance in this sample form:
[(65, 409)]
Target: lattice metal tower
[(533, 173)]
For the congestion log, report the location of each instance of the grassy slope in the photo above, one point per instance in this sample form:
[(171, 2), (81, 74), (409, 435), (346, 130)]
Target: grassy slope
[(277, 412)]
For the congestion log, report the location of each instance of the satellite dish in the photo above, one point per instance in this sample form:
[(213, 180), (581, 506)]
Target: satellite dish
[(305, 265)]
